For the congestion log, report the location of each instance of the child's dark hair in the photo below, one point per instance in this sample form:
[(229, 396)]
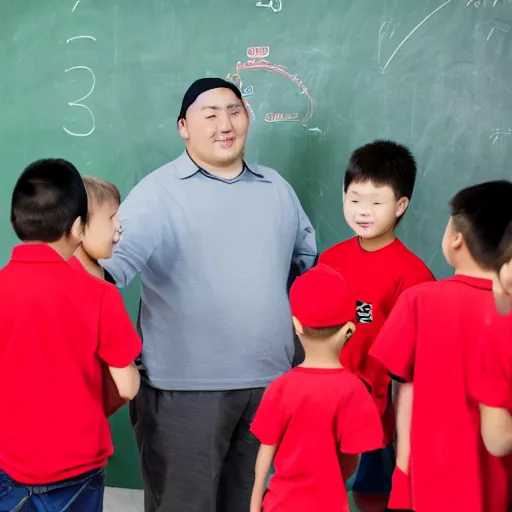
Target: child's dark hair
[(100, 191), (383, 162), (505, 248), (482, 213), (47, 199)]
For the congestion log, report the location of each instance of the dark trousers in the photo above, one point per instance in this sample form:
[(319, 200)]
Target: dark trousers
[(81, 494), (197, 454)]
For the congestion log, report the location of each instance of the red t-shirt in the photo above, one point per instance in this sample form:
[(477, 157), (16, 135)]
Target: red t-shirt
[(55, 325), (378, 278), (112, 401), (492, 386), (312, 415), (431, 339)]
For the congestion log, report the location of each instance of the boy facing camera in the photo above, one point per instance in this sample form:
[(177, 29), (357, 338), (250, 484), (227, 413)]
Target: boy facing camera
[(317, 412), (57, 325), (378, 187)]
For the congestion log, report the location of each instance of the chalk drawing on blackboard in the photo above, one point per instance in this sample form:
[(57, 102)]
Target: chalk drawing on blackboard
[(78, 103), (483, 3), (493, 29), (92, 38), (498, 134), (257, 60), (275, 5), (411, 33), (258, 52), (384, 31)]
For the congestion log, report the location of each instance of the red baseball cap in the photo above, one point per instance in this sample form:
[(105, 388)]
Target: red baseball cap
[(321, 298)]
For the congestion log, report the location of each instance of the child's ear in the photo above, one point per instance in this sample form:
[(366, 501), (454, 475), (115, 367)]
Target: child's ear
[(299, 330), (350, 329), (77, 230), (457, 241), (401, 206)]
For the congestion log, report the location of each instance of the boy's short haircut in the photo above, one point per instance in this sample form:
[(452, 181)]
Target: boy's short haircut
[(482, 214), (383, 162), (47, 199), (505, 248), (100, 191), (321, 333)]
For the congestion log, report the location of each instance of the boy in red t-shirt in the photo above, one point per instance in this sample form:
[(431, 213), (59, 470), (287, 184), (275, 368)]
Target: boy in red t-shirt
[(492, 387), (378, 186), (431, 340), (101, 233), (56, 325), (317, 411)]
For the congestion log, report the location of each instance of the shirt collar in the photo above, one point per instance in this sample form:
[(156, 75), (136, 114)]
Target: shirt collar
[(75, 263), (36, 253), (475, 282), (187, 168)]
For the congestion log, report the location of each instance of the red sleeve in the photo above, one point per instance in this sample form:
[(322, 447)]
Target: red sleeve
[(119, 343), (395, 345), (419, 274), (269, 421), (492, 381), (359, 423)]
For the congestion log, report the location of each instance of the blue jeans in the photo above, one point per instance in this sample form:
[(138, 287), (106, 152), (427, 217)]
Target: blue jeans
[(83, 493)]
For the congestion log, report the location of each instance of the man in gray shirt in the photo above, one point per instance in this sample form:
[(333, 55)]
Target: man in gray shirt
[(213, 238)]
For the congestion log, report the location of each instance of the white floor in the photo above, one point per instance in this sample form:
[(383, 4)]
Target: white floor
[(123, 500)]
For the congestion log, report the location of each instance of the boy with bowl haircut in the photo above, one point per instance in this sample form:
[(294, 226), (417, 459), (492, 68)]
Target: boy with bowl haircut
[(378, 187)]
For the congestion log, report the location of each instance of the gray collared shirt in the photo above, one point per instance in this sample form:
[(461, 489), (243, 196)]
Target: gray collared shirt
[(214, 257)]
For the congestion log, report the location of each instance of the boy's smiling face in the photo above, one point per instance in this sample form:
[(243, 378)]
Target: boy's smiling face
[(371, 210), (102, 231)]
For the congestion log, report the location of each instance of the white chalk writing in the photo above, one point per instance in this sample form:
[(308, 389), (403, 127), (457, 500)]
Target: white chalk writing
[(78, 103)]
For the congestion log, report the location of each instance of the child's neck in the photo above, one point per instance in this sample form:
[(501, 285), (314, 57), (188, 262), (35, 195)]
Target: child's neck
[(465, 265), (63, 248), (91, 265), (326, 364), (379, 242), (319, 357), (475, 271)]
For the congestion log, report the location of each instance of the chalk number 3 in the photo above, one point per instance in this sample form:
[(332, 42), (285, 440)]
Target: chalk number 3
[(78, 102)]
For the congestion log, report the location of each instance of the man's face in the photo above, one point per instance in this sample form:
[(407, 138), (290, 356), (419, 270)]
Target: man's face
[(216, 128)]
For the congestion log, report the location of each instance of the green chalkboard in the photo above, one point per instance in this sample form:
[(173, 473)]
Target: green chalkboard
[(100, 83)]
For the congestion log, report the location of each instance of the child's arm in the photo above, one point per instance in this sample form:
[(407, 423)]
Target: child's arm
[(490, 385), (268, 425), (496, 426), (404, 400), (119, 344), (359, 426), (263, 462), (127, 380)]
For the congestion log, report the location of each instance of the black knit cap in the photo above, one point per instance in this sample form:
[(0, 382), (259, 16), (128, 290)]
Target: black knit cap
[(203, 85)]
